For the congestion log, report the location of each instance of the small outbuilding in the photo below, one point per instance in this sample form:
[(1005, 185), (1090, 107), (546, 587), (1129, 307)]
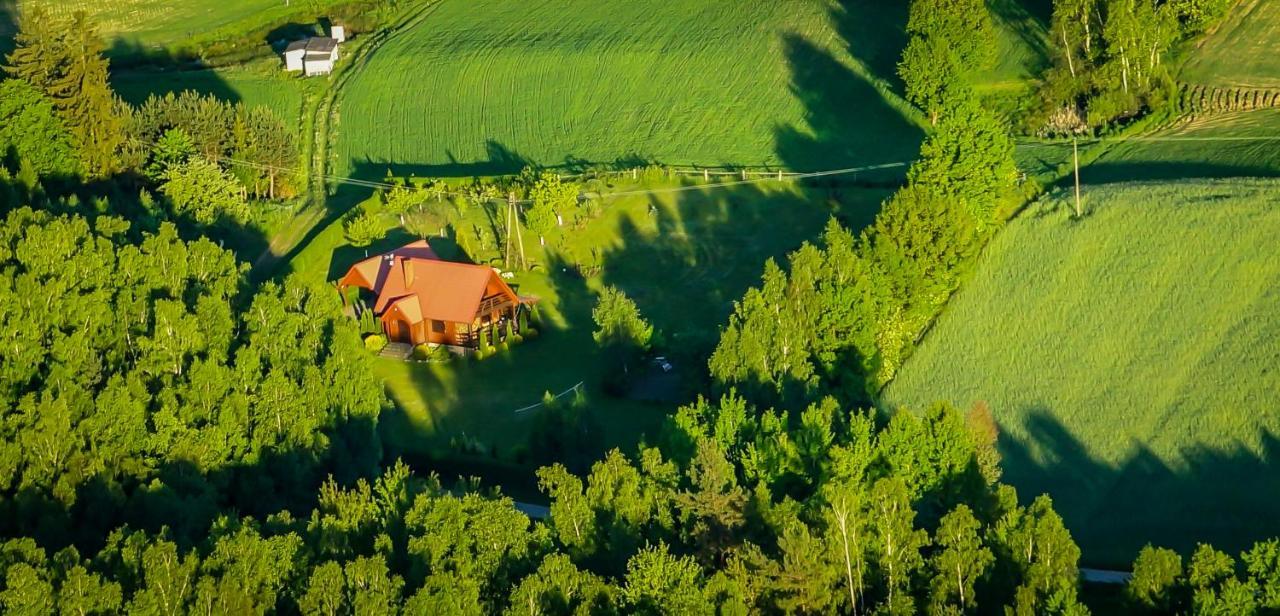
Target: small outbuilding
[(315, 55)]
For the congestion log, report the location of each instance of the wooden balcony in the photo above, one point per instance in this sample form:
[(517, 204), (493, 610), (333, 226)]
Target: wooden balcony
[(495, 303)]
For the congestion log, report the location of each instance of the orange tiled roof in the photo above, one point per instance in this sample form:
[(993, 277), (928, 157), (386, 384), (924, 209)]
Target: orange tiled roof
[(422, 286), (372, 272)]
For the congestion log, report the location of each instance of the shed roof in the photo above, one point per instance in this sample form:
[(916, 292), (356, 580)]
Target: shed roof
[(321, 44)]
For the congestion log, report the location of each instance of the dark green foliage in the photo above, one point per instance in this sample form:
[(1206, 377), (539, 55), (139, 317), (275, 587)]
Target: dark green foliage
[(950, 40), (63, 59), (252, 144), (126, 361), (1109, 59), (31, 131)]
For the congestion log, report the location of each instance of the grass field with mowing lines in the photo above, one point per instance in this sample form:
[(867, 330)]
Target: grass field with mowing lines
[(479, 88), (1132, 360), (1244, 51)]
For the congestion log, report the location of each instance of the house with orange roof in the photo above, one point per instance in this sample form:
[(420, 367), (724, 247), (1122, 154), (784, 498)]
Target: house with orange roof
[(421, 298)]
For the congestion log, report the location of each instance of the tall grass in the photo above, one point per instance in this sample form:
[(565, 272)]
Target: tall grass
[(1243, 52), (1131, 358), (482, 86)]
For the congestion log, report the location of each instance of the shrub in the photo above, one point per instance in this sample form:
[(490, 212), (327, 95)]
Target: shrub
[(530, 333), (375, 342), (422, 351), (441, 354), (503, 346)]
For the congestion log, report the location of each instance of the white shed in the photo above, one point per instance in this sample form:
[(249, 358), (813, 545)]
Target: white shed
[(294, 55), (314, 56), (338, 33)]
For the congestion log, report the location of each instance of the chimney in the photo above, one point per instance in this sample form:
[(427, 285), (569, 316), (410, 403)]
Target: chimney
[(407, 265)]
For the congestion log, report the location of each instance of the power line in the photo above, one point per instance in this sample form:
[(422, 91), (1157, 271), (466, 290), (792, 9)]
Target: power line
[(770, 178)]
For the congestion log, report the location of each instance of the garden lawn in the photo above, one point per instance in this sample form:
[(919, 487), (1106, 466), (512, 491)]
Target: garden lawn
[(1243, 52), (479, 88), (684, 262), (1131, 359)]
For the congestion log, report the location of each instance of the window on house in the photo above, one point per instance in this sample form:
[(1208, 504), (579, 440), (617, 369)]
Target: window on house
[(437, 327)]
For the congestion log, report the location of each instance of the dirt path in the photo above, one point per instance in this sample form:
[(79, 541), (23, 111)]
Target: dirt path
[(324, 116)]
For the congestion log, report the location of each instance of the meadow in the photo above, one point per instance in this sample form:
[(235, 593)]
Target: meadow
[(150, 25), (1243, 52), (683, 257), (1129, 358), (477, 88)]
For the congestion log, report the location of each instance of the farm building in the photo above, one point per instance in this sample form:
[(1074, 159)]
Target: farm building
[(312, 56), (421, 298)]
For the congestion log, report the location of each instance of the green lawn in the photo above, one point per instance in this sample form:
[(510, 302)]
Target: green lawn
[(1130, 359), (1243, 52), (479, 88), (258, 85), (684, 263)]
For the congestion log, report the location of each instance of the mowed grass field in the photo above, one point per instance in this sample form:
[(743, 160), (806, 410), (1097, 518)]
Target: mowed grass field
[(1132, 360), (1243, 52), (480, 87), (156, 24)]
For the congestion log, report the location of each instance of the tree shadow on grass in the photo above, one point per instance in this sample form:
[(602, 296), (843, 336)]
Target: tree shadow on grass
[(687, 259), (875, 32), (849, 121), (1223, 496), (1104, 172)]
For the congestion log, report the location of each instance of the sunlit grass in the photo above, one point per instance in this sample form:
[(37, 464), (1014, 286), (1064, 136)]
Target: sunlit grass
[(1130, 358), (479, 87), (1244, 52)]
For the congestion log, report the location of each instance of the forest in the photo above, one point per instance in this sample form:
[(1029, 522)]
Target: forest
[(178, 437)]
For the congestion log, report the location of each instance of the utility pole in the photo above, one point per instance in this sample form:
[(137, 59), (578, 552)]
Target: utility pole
[(1075, 156)]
